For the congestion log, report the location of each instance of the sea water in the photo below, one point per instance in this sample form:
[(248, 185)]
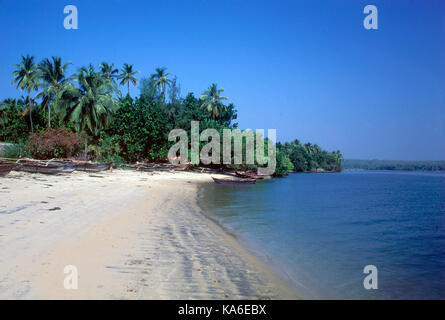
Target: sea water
[(320, 230)]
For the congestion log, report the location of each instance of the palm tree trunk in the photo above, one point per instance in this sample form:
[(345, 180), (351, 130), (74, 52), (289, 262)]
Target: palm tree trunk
[(86, 148), (30, 111), (128, 84), (163, 96), (49, 117)]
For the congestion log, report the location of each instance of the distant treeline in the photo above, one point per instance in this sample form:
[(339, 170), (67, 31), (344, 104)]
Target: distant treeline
[(297, 157), (394, 165)]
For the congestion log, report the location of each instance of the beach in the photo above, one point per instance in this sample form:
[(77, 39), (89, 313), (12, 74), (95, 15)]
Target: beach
[(130, 235)]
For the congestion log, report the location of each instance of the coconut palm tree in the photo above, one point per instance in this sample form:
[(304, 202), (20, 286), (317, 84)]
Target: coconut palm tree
[(27, 76), (91, 104), (54, 80), (108, 70), (127, 76), (212, 100), (161, 81), (338, 158)]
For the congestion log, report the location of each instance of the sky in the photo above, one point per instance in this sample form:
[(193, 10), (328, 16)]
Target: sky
[(308, 69)]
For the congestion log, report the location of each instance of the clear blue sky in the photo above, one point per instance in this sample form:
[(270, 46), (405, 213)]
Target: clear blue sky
[(307, 68)]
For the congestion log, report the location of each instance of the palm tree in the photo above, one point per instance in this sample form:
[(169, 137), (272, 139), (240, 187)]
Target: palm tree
[(338, 158), (91, 104), (161, 81), (55, 80), (212, 100), (27, 77), (108, 70), (127, 76)]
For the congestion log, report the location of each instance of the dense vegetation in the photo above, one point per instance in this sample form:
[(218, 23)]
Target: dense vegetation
[(86, 115), (394, 165), (308, 157)]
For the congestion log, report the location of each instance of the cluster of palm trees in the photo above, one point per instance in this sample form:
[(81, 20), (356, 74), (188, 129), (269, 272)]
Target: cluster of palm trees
[(88, 97), (211, 99), (88, 104)]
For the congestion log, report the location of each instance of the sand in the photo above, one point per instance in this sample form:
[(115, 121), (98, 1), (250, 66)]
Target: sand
[(130, 235)]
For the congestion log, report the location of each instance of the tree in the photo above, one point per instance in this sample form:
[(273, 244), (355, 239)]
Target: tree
[(54, 78), (161, 81), (147, 88), (108, 71), (212, 100), (141, 129), (13, 124), (4, 106), (27, 76), (127, 76), (93, 104), (284, 165)]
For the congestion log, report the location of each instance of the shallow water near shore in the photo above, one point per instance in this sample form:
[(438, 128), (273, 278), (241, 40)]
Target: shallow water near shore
[(320, 230)]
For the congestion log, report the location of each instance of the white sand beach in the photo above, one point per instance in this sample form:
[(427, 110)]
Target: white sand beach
[(131, 235)]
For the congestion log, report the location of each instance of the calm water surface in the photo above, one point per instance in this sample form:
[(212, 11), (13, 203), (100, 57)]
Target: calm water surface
[(320, 230)]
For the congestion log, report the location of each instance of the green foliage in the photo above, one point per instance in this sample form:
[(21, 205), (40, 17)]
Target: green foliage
[(161, 81), (310, 157), (27, 76), (91, 104), (108, 71), (14, 151), (141, 128), (125, 129), (128, 75), (284, 165), (212, 101), (147, 89), (394, 165), (14, 125), (54, 81), (107, 150)]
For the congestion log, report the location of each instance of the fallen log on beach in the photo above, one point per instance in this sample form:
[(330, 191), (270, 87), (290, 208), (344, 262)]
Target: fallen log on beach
[(57, 166), (150, 167)]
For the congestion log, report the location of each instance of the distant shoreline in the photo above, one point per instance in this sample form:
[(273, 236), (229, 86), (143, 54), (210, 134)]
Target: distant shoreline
[(394, 165)]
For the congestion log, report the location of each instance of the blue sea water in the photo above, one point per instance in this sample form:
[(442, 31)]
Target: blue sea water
[(319, 231)]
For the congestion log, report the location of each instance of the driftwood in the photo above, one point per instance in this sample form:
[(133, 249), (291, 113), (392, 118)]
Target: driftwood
[(150, 167), (5, 168), (57, 166)]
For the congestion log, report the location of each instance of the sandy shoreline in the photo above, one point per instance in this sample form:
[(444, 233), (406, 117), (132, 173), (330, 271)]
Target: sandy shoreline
[(131, 235)]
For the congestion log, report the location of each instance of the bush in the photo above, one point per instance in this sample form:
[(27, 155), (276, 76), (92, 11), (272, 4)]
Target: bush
[(14, 126), (54, 143), (141, 130), (107, 150), (13, 151), (284, 165)]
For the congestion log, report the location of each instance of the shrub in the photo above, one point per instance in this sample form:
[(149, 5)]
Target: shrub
[(141, 129), (107, 150), (54, 143), (14, 125), (13, 151), (284, 165)]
